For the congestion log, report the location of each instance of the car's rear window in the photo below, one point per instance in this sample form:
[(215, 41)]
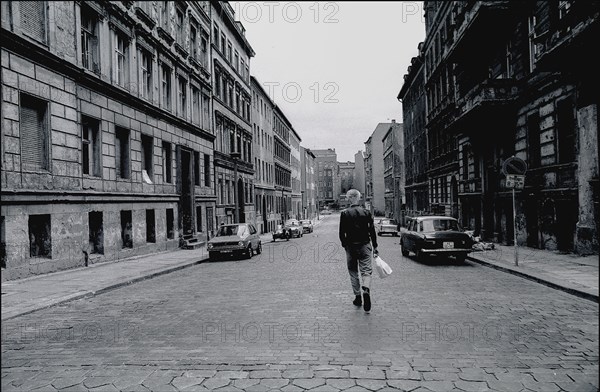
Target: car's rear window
[(238, 230), (440, 225)]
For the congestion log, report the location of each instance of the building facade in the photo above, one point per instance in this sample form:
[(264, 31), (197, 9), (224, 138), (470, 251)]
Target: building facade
[(346, 176), (393, 171), (263, 151), (107, 143), (530, 88), (282, 158), (234, 163), (412, 95), (296, 177), (327, 173), (374, 168), (359, 172), (308, 177)]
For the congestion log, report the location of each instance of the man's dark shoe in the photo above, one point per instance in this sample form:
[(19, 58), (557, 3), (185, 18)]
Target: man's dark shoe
[(357, 301), (367, 300)]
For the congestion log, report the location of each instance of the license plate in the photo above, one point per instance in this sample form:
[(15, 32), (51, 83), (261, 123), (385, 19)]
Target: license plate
[(448, 245)]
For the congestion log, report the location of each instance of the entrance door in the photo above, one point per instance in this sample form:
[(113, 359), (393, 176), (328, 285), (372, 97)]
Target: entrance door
[(264, 214), (531, 218), (209, 222), (187, 192), (241, 201)]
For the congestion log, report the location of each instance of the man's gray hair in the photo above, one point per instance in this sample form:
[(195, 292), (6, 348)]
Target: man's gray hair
[(353, 194)]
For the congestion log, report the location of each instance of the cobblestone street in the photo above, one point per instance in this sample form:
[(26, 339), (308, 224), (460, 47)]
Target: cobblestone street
[(284, 320)]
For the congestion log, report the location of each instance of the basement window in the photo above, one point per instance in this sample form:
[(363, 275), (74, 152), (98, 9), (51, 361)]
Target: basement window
[(40, 239), (150, 226), (96, 232), (147, 154), (199, 219), (170, 224), (126, 229)]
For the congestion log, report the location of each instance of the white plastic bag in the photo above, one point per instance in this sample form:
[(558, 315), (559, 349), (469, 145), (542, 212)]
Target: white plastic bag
[(383, 269)]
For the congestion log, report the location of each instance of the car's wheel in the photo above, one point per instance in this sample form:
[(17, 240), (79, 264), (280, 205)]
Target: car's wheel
[(249, 251), (379, 233), (404, 251), (212, 255), (259, 248), (460, 258), (420, 255)]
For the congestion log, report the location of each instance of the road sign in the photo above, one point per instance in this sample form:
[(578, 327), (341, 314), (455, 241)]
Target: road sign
[(514, 165), (514, 181)]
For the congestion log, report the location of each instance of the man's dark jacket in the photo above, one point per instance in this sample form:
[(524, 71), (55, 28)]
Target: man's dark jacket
[(356, 227)]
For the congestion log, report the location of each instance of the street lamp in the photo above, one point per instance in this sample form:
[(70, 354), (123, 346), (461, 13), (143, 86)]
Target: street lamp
[(236, 155)]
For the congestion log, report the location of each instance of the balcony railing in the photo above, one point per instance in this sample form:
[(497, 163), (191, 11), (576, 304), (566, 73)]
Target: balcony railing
[(487, 95)]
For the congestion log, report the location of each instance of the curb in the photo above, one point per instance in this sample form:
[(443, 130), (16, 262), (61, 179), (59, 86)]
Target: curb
[(545, 282), (90, 294)]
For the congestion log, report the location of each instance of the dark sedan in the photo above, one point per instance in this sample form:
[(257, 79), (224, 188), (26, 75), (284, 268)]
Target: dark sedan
[(435, 235), (282, 232)]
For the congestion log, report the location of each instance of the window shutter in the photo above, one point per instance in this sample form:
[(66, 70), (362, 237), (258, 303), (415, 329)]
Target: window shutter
[(33, 19), (33, 136)]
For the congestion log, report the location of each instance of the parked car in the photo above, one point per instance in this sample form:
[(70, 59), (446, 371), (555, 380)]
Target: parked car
[(387, 226), (325, 212), (235, 239), (295, 227), (282, 232), (435, 235), (307, 226)]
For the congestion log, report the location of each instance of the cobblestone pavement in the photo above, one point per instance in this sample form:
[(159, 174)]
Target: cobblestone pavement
[(284, 321)]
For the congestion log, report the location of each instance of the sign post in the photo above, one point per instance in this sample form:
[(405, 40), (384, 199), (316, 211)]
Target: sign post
[(514, 169)]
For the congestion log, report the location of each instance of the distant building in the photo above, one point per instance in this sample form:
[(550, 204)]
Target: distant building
[(412, 95), (393, 171), (374, 168), (295, 169), (359, 172), (308, 177), (327, 173), (283, 172), (346, 178)]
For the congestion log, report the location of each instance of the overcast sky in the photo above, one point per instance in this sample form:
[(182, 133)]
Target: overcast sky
[(335, 68)]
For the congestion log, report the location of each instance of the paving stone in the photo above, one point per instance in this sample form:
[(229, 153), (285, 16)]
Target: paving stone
[(184, 382), (265, 374), (356, 388), (404, 385), (292, 388), (62, 383), (440, 386), (308, 383), (577, 387), (300, 373), (232, 374), (505, 386), (472, 386), (372, 385), (541, 386), (94, 382), (104, 388), (439, 376), (274, 383), (324, 388), (340, 383), (215, 382), (369, 373), (332, 373), (245, 383)]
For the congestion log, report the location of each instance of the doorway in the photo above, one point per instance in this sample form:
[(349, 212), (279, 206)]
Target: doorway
[(241, 201), (186, 192)]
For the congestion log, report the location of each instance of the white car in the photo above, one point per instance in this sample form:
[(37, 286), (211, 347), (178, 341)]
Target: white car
[(387, 226)]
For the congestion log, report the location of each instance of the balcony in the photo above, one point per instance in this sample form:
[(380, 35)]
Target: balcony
[(489, 101), (560, 177), (479, 24), (565, 43)]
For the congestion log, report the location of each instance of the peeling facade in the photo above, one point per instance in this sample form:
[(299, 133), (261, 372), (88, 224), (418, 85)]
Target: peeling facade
[(528, 93)]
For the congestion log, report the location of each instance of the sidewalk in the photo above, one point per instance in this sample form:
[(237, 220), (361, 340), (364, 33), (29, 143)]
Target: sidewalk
[(24, 296), (571, 273)]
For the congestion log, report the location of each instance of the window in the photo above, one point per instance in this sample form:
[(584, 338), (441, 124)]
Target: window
[(223, 40), (205, 111), (199, 219), (532, 46), (33, 126), (533, 140), (170, 224), (166, 87), (236, 62), (147, 155), (216, 33), (196, 168), (182, 101), (122, 152), (40, 238), (96, 232), (204, 49), (126, 229), (196, 110), (164, 15), (243, 68), (89, 40), (229, 52), (120, 63), (33, 19), (146, 74), (167, 163), (565, 118), (206, 170), (90, 146), (194, 41), (179, 34), (150, 226)]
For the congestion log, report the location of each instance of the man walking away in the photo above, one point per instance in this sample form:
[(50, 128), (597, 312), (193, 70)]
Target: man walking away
[(357, 233)]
